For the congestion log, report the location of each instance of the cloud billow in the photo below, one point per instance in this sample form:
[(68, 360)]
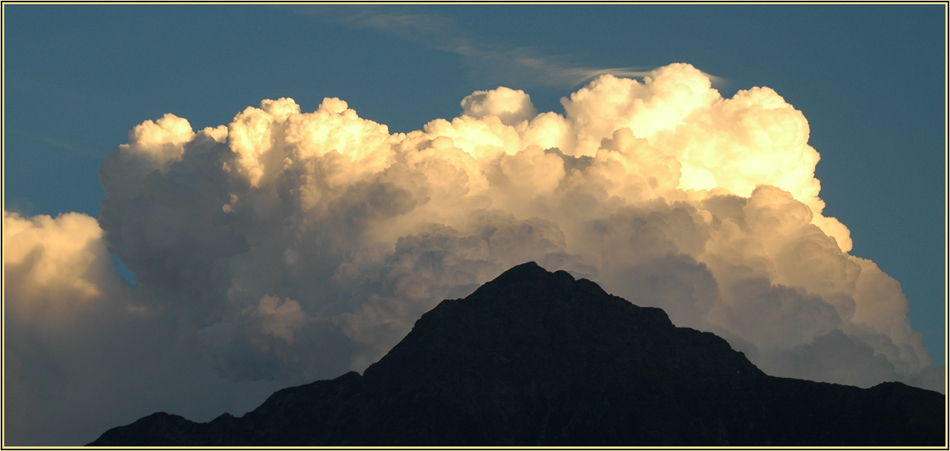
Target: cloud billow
[(294, 246)]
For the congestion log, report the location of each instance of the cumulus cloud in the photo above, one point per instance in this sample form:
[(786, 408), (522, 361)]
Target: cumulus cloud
[(83, 350), (292, 245), (509, 105), (52, 259), (663, 190)]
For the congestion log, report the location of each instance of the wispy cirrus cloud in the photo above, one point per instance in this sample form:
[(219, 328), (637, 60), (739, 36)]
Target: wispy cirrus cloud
[(495, 62), (60, 144)]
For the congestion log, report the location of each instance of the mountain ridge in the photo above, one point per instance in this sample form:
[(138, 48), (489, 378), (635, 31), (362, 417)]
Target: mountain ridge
[(539, 358)]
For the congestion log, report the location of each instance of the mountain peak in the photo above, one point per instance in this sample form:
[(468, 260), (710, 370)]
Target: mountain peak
[(540, 358), (532, 275), (528, 271)]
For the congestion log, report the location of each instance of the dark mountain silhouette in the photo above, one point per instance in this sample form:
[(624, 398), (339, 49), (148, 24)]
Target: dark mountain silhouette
[(539, 358)]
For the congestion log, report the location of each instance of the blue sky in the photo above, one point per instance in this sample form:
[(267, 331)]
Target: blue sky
[(870, 80)]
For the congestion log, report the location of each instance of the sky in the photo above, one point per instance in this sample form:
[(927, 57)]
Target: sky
[(204, 204)]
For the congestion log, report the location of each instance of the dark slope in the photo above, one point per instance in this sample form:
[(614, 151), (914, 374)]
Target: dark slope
[(538, 358)]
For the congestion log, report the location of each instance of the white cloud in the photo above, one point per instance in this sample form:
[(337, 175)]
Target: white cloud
[(83, 351), (663, 173), (52, 260), (511, 106), (293, 246)]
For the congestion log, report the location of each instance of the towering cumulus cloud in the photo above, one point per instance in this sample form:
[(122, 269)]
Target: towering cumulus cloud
[(295, 245)]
